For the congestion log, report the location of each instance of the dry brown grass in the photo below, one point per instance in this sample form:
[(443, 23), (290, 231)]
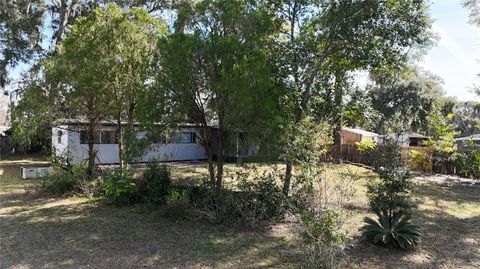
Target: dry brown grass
[(74, 232)]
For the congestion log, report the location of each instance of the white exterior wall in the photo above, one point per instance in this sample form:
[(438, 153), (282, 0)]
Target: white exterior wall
[(60, 148), (108, 153)]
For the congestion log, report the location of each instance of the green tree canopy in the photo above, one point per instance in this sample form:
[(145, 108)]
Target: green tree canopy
[(214, 71), (405, 103), (105, 64), (319, 42)]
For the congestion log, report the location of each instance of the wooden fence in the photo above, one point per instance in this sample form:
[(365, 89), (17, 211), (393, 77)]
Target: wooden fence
[(348, 153), (430, 163)]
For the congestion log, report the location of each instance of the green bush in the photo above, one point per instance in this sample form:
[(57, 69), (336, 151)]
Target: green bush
[(264, 200), (257, 200), (468, 163), (120, 188), (62, 181), (386, 157), (420, 160), (178, 203), (365, 146), (398, 231), (322, 237), (390, 199), (155, 183)]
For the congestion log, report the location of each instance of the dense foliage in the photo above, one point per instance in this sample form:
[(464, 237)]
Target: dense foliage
[(62, 181), (399, 232), (129, 186), (155, 183), (468, 163), (256, 201), (215, 70), (390, 200), (120, 187)]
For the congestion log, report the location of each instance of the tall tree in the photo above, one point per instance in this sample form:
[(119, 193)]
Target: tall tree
[(104, 64), (404, 101), (31, 31), (466, 120), (31, 117), (215, 72), (24, 24), (20, 33), (127, 51), (474, 6), (321, 41)]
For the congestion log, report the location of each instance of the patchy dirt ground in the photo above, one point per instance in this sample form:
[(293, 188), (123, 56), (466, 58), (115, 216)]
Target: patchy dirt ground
[(75, 232)]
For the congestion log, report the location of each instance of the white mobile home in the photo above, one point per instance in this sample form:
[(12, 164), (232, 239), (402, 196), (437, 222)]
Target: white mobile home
[(463, 142), (69, 139), (408, 140)]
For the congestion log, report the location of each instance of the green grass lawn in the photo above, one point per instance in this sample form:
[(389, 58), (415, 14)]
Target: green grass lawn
[(75, 232)]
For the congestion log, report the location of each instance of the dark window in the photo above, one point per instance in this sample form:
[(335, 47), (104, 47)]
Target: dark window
[(83, 137), (108, 137), (96, 138), (194, 137), (183, 138), (59, 137), (103, 137), (162, 139)]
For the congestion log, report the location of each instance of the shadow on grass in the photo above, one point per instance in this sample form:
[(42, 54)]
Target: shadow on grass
[(73, 233), (450, 192), (449, 217)]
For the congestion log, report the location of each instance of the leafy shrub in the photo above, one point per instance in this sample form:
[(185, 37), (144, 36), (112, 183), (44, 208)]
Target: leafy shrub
[(61, 181), (120, 187), (264, 198), (420, 160), (366, 145), (155, 183), (178, 203), (92, 187), (468, 163), (398, 231), (320, 206), (322, 237), (386, 157), (390, 196), (257, 199)]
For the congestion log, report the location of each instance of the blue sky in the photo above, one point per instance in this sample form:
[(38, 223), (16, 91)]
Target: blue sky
[(456, 57)]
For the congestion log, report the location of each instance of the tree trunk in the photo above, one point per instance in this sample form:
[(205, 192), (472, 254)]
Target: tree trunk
[(130, 136), (211, 168), (337, 130), (206, 140), (91, 151), (120, 144), (379, 125), (288, 178), (221, 152)]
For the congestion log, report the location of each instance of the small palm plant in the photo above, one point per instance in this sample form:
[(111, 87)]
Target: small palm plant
[(398, 231)]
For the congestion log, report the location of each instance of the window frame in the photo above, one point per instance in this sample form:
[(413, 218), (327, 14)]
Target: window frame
[(191, 136), (100, 137)]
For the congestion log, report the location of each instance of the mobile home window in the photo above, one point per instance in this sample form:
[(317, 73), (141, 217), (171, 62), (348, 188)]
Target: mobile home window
[(183, 137), (59, 137), (159, 139), (83, 137), (108, 137), (103, 137)]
